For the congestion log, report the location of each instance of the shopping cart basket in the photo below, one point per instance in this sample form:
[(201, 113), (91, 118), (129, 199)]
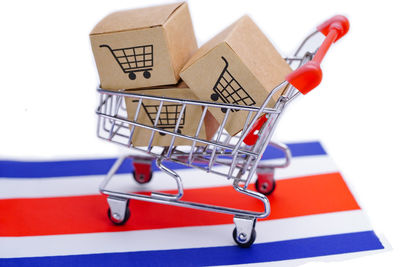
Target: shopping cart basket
[(134, 59), (168, 117), (229, 90), (235, 158)]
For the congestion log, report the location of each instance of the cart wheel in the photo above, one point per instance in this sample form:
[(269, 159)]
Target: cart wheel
[(265, 186), (146, 74), (246, 244), (119, 222), (142, 178), (162, 134), (223, 110), (214, 97), (179, 131), (132, 76)]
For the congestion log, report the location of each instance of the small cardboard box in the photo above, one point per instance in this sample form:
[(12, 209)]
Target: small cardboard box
[(143, 47), (238, 66), (168, 116)]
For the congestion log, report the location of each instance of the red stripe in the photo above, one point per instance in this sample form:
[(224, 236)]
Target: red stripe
[(87, 214)]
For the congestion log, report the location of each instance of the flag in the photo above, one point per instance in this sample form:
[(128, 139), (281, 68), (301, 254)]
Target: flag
[(53, 215)]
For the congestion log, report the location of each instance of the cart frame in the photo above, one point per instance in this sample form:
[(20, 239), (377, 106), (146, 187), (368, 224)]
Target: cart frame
[(235, 158)]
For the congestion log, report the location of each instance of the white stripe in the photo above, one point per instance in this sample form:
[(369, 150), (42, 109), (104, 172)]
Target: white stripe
[(88, 185), (185, 237)]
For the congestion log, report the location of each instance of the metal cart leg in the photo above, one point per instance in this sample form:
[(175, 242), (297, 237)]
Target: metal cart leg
[(177, 179), (244, 233), (118, 211), (265, 183)]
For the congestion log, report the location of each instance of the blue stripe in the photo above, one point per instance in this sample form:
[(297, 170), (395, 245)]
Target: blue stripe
[(264, 252), (45, 169)]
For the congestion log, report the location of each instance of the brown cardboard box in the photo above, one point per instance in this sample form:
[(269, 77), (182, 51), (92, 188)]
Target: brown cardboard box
[(168, 117), (238, 66), (143, 47)]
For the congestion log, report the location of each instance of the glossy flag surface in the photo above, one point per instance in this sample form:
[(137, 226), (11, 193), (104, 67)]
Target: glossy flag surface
[(52, 214)]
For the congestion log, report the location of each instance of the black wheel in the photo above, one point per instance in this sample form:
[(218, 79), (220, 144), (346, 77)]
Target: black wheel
[(223, 110), (141, 178), (214, 97), (265, 188), (126, 216), (179, 131), (248, 243), (146, 74), (162, 134), (132, 76)]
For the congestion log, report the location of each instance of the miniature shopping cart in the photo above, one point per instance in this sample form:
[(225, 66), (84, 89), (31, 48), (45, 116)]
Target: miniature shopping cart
[(236, 158), (134, 59), (168, 117), (229, 90)]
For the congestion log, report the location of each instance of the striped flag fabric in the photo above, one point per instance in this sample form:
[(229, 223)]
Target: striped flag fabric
[(53, 215)]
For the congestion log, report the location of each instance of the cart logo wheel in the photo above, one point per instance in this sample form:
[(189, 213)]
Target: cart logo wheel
[(132, 76), (134, 59), (229, 90)]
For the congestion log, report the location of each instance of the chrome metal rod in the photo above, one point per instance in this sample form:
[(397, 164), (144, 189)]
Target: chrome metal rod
[(178, 122), (192, 205), (203, 115), (177, 179), (221, 129), (186, 101), (176, 134), (139, 105), (155, 124)]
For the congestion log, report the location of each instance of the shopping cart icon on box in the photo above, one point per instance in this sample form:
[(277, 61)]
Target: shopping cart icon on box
[(229, 90), (167, 118), (134, 59)]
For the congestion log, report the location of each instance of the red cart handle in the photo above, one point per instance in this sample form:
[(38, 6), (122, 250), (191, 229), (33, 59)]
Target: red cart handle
[(308, 76)]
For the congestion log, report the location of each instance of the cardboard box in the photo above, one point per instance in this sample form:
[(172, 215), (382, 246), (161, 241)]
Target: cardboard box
[(143, 47), (169, 116), (238, 66)]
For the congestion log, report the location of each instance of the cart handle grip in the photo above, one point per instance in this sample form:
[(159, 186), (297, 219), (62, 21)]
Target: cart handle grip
[(309, 76)]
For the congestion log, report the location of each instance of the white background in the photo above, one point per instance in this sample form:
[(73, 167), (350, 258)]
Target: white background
[(48, 81)]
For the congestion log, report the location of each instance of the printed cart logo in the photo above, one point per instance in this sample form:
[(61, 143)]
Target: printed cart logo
[(134, 59), (168, 117), (229, 90)]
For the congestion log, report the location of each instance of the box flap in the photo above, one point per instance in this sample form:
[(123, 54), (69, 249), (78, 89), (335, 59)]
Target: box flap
[(205, 48), (180, 37), (135, 19)]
